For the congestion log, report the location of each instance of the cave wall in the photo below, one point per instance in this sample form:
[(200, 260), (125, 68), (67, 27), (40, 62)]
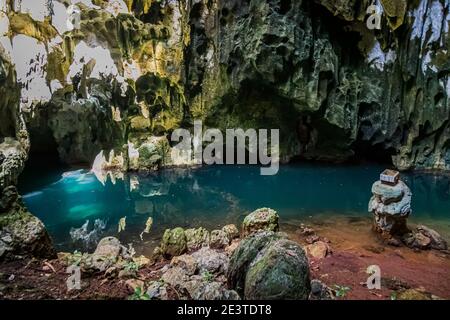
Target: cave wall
[(115, 87)]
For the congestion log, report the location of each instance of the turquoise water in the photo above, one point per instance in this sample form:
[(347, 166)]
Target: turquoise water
[(210, 197)]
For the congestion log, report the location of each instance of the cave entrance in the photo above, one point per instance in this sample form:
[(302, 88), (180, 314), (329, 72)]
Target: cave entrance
[(43, 165), (366, 151)]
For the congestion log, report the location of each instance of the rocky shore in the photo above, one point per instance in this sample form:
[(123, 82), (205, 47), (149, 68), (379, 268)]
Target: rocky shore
[(254, 261)]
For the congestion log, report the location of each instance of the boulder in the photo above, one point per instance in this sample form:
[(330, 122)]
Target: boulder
[(21, 234), (157, 290), (320, 291), (318, 249), (437, 242), (264, 219), (212, 261), (219, 239), (175, 276), (389, 193), (244, 255), (186, 262), (232, 247), (416, 240), (204, 290), (196, 238), (280, 272), (232, 232), (107, 253), (173, 242), (391, 207), (413, 294)]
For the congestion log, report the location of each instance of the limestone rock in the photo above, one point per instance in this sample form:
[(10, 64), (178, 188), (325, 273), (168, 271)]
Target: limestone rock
[(196, 238), (219, 239), (175, 276), (264, 219), (232, 231), (387, 193), (320, 291), (318, 249), (21, 234), (202, 290), (107, 253), (173, 242), (424, 238), (391, 207), (244, 255), (186, 262), (437, 242), (209, 260), (280, 271), (157, 290), (412, 294)]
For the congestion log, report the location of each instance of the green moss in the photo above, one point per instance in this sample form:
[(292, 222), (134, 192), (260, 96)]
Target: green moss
[(14, 216), (22, 23), (395, 10)]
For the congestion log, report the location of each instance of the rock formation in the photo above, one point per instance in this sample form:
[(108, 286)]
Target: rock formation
[(391, 207), (21, 234), (128, 75)]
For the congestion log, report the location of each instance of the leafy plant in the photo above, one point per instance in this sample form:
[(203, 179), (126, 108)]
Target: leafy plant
[(341, 291), (139, 294), (393, 295), (207, 276), (131, 266), (76, 258)]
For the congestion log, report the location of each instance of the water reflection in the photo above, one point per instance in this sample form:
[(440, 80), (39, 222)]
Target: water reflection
[(211, 197)]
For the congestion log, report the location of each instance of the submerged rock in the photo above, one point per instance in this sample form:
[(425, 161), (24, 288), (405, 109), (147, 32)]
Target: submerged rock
[(263, 219)]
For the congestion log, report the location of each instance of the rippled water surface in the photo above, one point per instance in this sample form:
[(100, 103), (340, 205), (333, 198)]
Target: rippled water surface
[(211, 197)]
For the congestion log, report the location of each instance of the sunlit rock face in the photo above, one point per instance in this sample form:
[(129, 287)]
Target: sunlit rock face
[(104, 76)]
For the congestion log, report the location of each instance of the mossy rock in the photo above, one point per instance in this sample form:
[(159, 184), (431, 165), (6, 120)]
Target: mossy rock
[(173, 242), (412, 294), (244, 255), (263, 219), (280, 272), (23, 235), (197, 238)]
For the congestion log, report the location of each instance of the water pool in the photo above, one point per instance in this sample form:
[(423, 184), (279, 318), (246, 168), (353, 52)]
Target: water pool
[(211, 196)]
